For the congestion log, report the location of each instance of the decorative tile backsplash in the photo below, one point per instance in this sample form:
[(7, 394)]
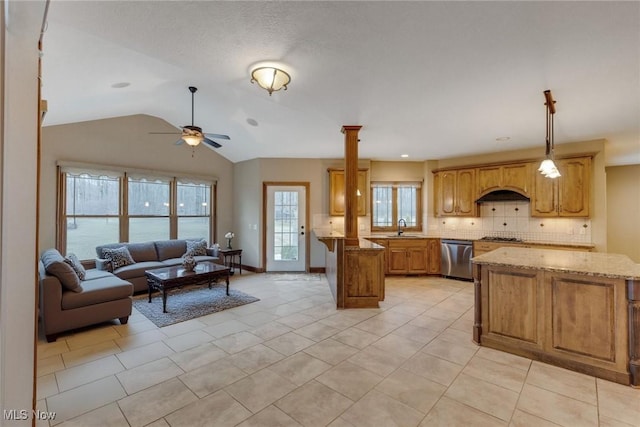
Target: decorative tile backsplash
[(512, 219)]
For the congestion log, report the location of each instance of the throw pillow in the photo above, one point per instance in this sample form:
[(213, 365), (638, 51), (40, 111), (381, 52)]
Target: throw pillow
[(119, 257), (54, 264), (77, 266), (196, 247)]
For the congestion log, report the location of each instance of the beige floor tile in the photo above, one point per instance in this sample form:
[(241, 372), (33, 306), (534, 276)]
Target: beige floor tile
[(259, 390), (155, 402), (218, 409), (144, 354), (321, 311), (340, 422), (314, 404), (416, 333), (317, 331), (217, 318), (143, 338), (198, 356), (504, 358), (106, 416), (181, 327), (152, 373), (88, 372), (455, 353), (522, 419), (212, 377), (557, 408), (484, 396), (398, 345), (77, 401), (350, 380), (225, 328), (496, 373), (413, 390), (133, 328), (296, 320), (433, 368), (258, 318), (562, 381), (300, 368), (270, 330), (91, 337), (605, 421), (379, 409), (159, 423), (619, 402), (255, 358), (377, 326), (46, 386), (88, 354), (289, 343), (331, 351), (48, 349), (50, 364), (377, 360), (355, 337), (270, 416), (454, 336), (448, 412), (187, 340), (409, 308), (392, 316), (428, 322), (237, 342), (341, 320)]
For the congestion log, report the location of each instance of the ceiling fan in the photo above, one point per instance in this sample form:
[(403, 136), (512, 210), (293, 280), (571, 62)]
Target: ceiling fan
[(192, 134)]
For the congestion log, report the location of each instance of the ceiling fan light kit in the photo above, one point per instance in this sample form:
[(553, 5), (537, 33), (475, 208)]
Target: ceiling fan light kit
[(270, 78), (548, 167)]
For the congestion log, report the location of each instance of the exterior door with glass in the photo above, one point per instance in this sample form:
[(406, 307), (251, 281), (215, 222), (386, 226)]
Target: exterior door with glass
[(286, 229)]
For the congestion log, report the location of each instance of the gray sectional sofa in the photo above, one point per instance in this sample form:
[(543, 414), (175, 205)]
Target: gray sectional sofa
[(148, 255), (72, 297), (68, 302)]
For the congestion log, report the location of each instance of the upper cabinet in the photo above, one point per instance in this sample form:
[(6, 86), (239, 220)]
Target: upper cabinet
[(515, 177), (337, 192), (566, 196), (456, 193)]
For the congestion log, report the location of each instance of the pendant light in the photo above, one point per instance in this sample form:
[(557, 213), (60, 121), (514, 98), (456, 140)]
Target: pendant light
[(548, 167)]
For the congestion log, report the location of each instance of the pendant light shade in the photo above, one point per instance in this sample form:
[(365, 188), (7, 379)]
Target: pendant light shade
[(548, 167), (270, 78)]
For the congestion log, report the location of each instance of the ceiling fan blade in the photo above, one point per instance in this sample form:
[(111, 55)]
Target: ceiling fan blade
[(211, 143), (217, 136), (180, 141)]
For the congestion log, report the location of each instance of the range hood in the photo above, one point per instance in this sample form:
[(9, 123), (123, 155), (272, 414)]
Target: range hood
[(503, 196)]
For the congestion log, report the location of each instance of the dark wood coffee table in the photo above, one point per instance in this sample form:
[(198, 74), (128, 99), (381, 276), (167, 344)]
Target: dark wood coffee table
[(166, 278)]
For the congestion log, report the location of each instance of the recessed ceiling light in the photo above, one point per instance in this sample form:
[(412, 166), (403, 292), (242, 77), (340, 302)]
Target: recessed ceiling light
[(404, 155), (252, 122), (120, 85), (503, 138)]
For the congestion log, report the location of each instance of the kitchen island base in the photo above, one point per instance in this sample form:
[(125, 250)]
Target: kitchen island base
[(547, 307)]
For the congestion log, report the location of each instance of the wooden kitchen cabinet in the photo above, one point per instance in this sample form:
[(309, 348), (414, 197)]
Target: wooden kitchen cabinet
[(408, 256), (337, 192), (456, 192), (566, 196), (433, 256), (514, 177)]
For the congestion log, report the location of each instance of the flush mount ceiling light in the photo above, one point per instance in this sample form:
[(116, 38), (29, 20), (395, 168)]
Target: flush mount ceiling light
[(270, 78), (548, 167)]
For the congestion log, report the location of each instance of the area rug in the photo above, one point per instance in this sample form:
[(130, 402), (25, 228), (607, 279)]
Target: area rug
[(189, 303)]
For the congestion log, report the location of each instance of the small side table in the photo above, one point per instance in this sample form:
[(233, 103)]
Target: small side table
[(228, 258)]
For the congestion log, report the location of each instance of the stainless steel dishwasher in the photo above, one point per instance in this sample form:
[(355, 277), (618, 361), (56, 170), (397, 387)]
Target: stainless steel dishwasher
[(456, 258)]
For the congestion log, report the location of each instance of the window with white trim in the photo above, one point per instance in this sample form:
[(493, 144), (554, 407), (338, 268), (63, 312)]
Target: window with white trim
[(392, 201)]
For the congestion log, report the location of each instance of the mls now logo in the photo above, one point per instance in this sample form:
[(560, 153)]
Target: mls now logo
[(23, 414)]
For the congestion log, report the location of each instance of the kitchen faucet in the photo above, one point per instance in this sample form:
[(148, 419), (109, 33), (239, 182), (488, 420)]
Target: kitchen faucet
[(401, 222)]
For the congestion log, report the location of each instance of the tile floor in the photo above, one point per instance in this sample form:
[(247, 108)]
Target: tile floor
[(292, 359)]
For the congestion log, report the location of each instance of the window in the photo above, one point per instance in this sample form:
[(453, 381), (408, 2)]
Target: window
[(194, 209), (91, 214), (285, 236), (148, 209), (392, 201), (97, 207)]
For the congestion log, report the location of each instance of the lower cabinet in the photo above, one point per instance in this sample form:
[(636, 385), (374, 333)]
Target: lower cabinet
[(411, 255)]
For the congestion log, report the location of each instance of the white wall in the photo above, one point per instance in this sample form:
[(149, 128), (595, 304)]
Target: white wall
[(18, 220)]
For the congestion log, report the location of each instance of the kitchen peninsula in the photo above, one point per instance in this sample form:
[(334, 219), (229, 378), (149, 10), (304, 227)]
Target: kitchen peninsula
[(355, 273), (577, 310)]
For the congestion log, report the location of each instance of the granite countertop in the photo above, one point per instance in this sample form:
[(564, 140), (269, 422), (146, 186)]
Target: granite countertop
[(590, 263)]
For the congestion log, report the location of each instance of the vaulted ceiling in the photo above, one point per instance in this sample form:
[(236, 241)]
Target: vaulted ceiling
[(429, 79)]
